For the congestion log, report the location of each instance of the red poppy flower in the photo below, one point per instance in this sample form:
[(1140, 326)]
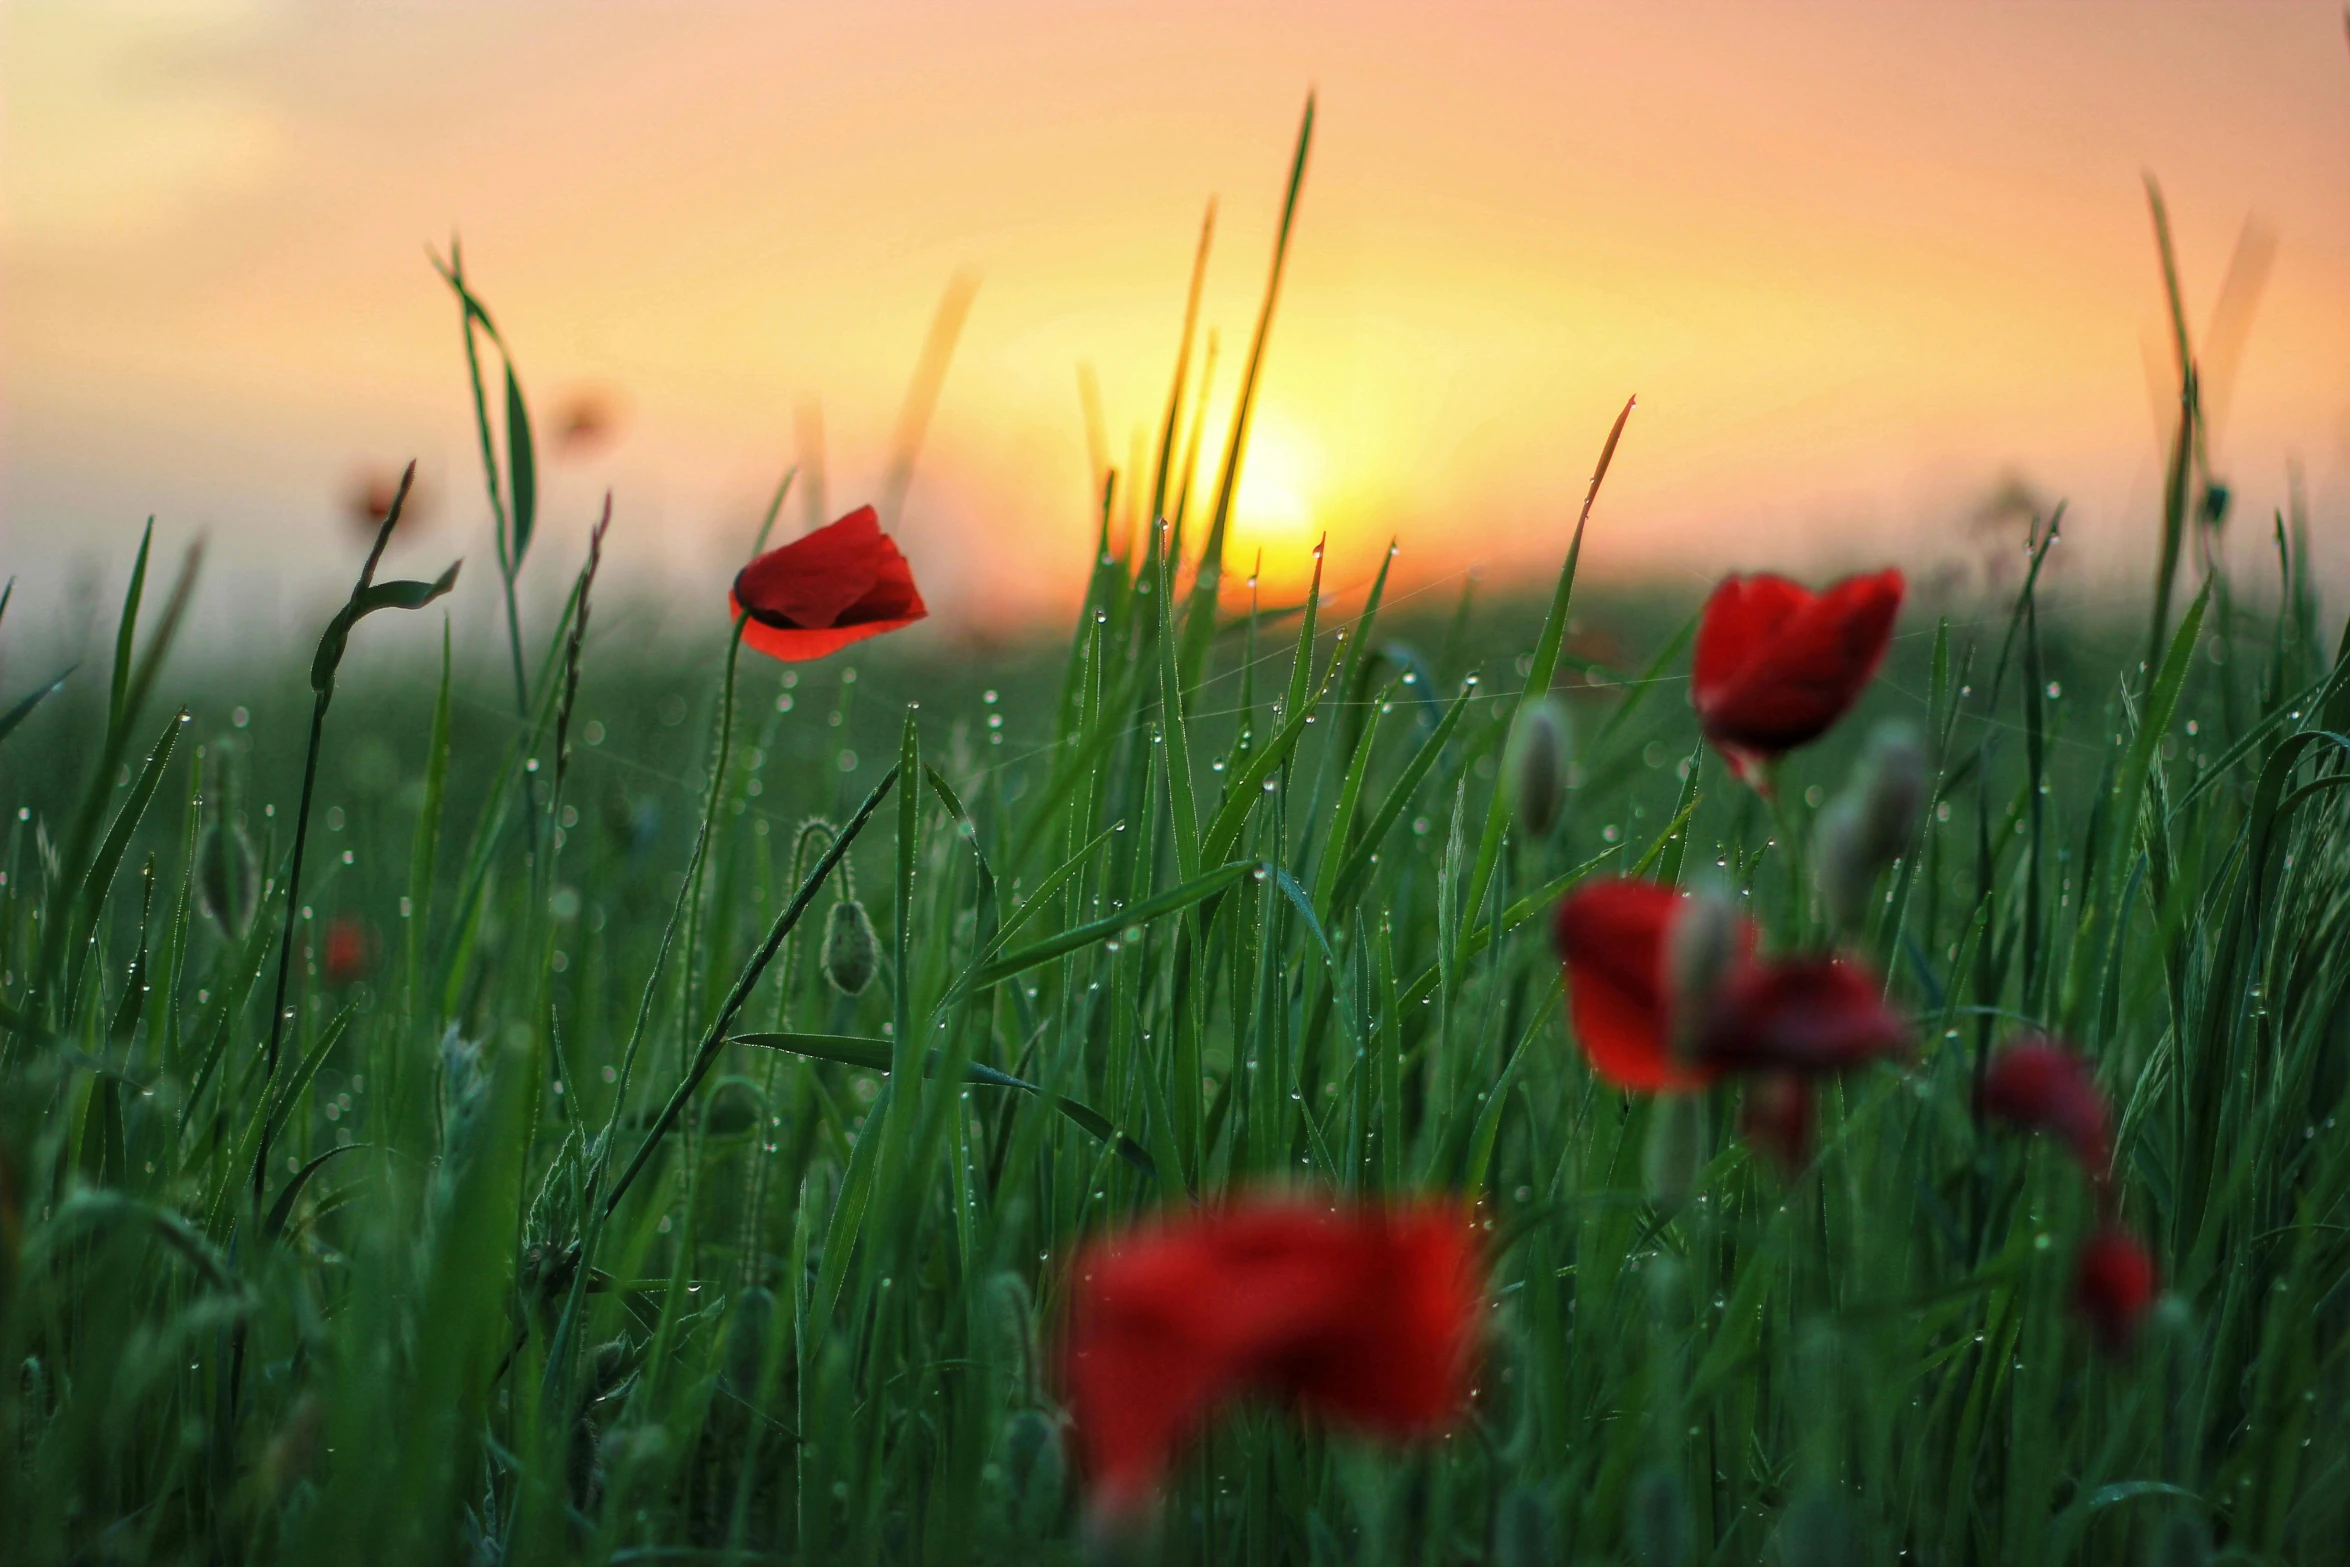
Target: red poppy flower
[(2113, 1285), (585, 420), (1611, 936), (350, 950), (2040, 1086), (816, 595), (1807, 1016), (1777, 664), (1365, 1316)]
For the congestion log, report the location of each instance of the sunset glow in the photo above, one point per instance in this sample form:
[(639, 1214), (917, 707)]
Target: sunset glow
[(1862, 265)]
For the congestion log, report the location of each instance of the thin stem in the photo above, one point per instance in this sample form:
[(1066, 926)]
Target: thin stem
[(716, 1036), (285, 943)]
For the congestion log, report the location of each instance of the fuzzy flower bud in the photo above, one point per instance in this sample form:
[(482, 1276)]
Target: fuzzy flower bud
[(851, 951), (1702, 945), (1676, 1150), (1536, 764), (1873, 822), (228, 879)]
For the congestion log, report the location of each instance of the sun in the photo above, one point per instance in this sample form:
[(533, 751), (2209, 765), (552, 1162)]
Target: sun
[(1278, 508)]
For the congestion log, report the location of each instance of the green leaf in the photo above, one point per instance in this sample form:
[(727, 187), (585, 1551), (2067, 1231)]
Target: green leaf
[(281, 1210), (126, 631), (1546, 654), (405, 594), (522, 460), (25, 704), (363, 602)]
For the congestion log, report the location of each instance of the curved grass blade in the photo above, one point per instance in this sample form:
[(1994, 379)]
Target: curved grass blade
[(283, 1209), (521, 463), (873, 1055), (1068, 941), (32, 699)]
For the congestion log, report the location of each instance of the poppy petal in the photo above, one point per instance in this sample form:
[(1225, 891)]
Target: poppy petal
[(811, 581), (1775, 671), (2113, 1285), (1808, 1016), (1611, 937), (841, 584), (2040, 1086), (1741, 616), (795, 645), (1365, 1316)]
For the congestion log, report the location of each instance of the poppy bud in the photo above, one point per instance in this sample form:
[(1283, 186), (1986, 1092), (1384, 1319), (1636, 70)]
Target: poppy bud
[(1702, 943), (1656, 1521), (1676, 1150), (851, 951), (608, 1366), (1872, 823), (2113, 1285), (1035, 1472), (1536, 766), (228, 879)]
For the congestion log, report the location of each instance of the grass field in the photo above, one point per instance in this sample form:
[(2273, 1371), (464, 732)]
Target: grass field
[(500, 1242)]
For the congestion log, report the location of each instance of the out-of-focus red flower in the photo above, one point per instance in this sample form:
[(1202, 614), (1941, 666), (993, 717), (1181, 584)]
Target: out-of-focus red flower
[(2040, 1086), (1777, 664), (816, 595), (2113, 1285), (1611, 935), (1807, 1016), (586, 419), (349, 956), (1775, 1116), (1366, 1316), (369, 499)]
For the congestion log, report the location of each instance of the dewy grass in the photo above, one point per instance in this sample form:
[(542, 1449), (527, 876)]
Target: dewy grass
[(596, 1225)]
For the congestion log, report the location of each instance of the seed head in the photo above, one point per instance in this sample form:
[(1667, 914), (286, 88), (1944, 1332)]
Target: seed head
[(1539, 747)]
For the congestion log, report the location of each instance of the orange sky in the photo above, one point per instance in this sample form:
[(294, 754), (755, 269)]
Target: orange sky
[(1858, 261)]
